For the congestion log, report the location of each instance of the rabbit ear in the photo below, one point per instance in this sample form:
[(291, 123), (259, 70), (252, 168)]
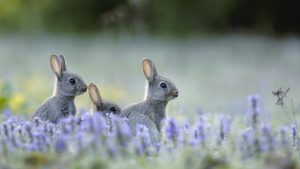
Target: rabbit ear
[(149, 70), (56, 66), (62, 63), (94, 94)]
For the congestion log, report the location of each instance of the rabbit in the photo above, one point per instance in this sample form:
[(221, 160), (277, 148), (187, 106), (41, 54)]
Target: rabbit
[(67, 86), (151, 112), (106, 108)]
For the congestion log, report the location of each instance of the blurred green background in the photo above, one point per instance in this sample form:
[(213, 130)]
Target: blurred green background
[(156, 16), (216, 51)]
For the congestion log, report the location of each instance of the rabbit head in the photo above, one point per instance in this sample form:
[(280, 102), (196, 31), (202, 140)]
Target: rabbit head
[(158, 87), (100, 105), (67, 83)]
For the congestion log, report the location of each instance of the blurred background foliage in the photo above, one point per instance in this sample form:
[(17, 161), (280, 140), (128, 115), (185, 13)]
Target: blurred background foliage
[(157, 16), (12, 99), (216, 51)]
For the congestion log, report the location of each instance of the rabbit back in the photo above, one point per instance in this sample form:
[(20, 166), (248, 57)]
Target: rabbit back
[(56, 108), (141, 119), (153, 109)]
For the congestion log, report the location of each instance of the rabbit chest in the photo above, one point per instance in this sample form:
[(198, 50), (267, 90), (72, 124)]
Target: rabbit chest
[(66, 106), (158, 114), (158, 118)]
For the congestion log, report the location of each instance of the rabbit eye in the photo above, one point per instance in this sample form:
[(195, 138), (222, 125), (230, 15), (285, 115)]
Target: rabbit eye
[(72, 81), (163, 85), (112, 109)]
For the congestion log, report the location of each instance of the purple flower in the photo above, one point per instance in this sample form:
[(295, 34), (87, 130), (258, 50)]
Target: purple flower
[(83, 111), (13, 142), (50, 129), (172, 130), (19, 130), (254, 110), (79, 141), (122, 132), (93, 123), (186, 127), (225, 126), (157, 147), (87, 123), (40, 142), (294, 134), (199, 132), (283, 137), (67, 129), (31, 147), (27, 125), (246, 142), (98, 123), (7, 114), (6, 130), (111, 149), (28, 128), (267, 138), (143, 136), (60, 145)]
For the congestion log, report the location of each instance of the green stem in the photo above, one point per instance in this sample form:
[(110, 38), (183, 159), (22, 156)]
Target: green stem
[(284, 108), (294, 114)]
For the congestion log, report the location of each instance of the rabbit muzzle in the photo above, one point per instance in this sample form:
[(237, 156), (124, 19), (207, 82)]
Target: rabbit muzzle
[(83, 90), (176, 94), (173, 95)]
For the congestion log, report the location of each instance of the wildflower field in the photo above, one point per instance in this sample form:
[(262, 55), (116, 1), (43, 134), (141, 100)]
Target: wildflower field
[(238, 102)]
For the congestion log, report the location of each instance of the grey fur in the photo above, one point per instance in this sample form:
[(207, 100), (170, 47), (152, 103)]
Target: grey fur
[(61, 104), (103, 106), (151, 112)]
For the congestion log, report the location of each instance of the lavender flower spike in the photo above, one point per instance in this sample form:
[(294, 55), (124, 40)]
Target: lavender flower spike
[(254, 110)]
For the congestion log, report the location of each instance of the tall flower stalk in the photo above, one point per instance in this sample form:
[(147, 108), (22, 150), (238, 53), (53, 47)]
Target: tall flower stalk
[(253, 111)]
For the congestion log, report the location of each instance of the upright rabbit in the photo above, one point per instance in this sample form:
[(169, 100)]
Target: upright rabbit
[(67, 86), (106, 108), (152, 110)]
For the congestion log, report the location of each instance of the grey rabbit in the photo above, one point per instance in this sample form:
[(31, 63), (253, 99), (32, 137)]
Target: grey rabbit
[(151, 112), (106, 108), (67, 86)]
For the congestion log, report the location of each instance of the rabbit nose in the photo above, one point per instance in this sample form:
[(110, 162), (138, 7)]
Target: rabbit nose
[(84, 89), (176, 94)]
